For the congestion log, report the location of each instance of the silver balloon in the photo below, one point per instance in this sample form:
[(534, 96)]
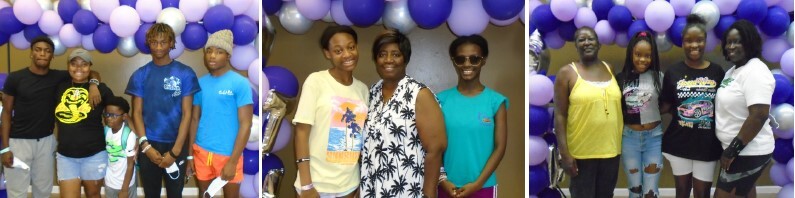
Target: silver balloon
[(791, 33), (396, 15), (663, 42), (585, 3), (45, 4), (60, 49), (708, 11), (215, 3), (619, 2), (276, 107), (783, 117), (174, 18), (269, 36), (272, 179), (328, 18), (85, 4), (127, 47), (555, 170), (292, 20), (55, 6)]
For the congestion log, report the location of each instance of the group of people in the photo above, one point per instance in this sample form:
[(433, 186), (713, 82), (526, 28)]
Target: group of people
[(397, 139), (164, 123), (719, 117)]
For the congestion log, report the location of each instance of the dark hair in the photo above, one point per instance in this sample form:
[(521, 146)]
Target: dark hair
[(693, 20), (160, 28), (393, 36), (332, 30), (119, 102), (749, 38), (473, 39), (43, 39), (584, 28), (627, 75)]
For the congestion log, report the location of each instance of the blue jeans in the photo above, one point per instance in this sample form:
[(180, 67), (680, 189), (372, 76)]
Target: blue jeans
[(87, 168), (643, 161)]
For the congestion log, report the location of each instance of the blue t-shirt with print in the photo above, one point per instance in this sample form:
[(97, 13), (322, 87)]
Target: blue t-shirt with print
[(162, 89), (219, 101), (470, 133)]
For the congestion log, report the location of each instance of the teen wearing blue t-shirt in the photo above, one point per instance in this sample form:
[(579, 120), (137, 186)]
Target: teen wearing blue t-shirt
[(221, 133), (162, 94), (476, 121)]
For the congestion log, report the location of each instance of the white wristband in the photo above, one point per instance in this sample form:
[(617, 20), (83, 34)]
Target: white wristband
[(142, 139), (307, 187)]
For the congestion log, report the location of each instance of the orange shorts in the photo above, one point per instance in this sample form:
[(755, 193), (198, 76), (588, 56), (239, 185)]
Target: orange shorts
[(209, 165)]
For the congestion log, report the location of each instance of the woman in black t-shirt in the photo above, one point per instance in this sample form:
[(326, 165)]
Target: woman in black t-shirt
[(81, 158), (689, 88)]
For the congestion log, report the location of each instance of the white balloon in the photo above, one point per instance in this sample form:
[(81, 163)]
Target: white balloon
[(127, 47), (619, 2), (45, 4), (59, 48), (85, 4), (292, 20), (708, 11), (663, 42), (174, 18), (784, 116), (396, 15), (55, 5), (215, 2)]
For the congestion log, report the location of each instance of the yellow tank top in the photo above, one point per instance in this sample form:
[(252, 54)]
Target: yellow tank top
[(595, 122)]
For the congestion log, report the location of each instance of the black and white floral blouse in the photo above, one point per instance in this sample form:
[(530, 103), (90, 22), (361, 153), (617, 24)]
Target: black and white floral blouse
[(393, 158)]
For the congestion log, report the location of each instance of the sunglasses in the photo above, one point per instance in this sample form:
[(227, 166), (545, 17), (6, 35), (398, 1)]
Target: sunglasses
[(473, 59), (111, 115)]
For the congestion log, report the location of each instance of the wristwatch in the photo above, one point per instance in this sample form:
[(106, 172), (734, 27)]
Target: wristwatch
[(94, 81)]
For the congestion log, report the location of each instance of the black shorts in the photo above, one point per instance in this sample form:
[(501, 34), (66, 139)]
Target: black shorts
[(743, 173)]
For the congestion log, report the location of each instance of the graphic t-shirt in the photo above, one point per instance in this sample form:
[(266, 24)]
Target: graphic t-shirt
[(691, 93), (742, 87), (79, 126), (470, 125), (640, 98), (336, 113), (34, 101), (114, 176), (162, 89), (219, 100)]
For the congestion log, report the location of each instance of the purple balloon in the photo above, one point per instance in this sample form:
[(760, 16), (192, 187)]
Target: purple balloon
[(85, 22), (538, 150), (622, 39), (532, 5), (790, 169), (69, 36), (775, 23), (282, 80), (713, 41), (783, 150), (169, 4), (620, 18), (553, 40), (365, 13), (9, 22), (544, 19), (566, 31), (754, 11), (539, 120), (787, 5), (682, 7), (4, 38), (250, 162), (637, 26), (601, 8), (270, 162), (140, 38), (244, 30), (67, 9), (604, 32), (585, 18), (428, 14), (542, 90), (256, 106), (130, 3), (271, 6), (468, 18), (193, 10), (783, 133), (675, 31), (787, 62), (778, 174), (33, 31), (502, 9), (563, 10), (313, 9), (148, 10), (661, 16), (218, 18), (772, 49), (538, 179), (338, 14), (726, 7), (723, 24), (104, 39), (510, 21), (284, 136), (637, 7), (194, 37)]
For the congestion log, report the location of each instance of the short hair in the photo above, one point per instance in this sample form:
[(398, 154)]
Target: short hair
[(43, 39), (693, 20), (332, 30), (471, 39), (749, 37), (393, 36), (160, 28), (585, 28), (119, 102)]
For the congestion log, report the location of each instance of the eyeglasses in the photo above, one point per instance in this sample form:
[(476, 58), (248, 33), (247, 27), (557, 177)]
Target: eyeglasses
[(111, 115), (473, 59)]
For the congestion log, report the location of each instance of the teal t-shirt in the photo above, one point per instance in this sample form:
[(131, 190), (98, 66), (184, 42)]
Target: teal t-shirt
[(470, 133), (219, 100)]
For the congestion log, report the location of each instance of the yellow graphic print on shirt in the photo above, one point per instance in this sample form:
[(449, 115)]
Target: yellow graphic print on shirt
[(345, 133), (74, 106)]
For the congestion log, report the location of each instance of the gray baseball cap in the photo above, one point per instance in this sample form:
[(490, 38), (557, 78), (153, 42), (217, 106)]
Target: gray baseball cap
[(82, 54)]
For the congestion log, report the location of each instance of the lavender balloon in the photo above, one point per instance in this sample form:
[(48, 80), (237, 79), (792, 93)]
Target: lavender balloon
[(778, 174), (637, 7), (790, 169), (660, 16), (243, 55), (772, 49), (712, 42), (194, 9), (787, 62), (563, 10), (541, 90), (124, 21), (87, 42), (683, 7), (622, 40), (103, 9), (178, 49), (506, 22), (313, 9), (467, 18), (28, 12), (604, 32), (69, 36), (537, 152), (18, 41), (238, 6), (50, 23), (285, 134), (254, 70), (787, 5), (726, 7), (585, 18), (148, 10)]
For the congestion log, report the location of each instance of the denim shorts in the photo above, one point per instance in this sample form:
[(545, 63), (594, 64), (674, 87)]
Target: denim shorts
[(87, 168)]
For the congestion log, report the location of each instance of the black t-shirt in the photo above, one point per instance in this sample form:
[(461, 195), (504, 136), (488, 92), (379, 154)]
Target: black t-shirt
[(32, 116), (691, 93), (80, 130)]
